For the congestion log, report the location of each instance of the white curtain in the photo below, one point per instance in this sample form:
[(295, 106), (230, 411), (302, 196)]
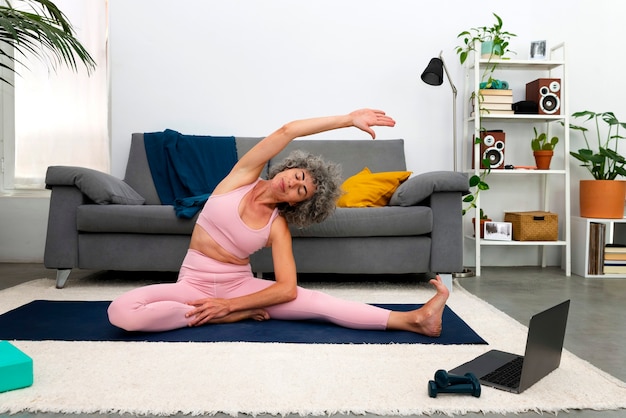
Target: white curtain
[(61, 117)]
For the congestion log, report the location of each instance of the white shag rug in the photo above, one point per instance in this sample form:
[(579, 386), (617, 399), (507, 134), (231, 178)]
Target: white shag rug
[(307, 379)]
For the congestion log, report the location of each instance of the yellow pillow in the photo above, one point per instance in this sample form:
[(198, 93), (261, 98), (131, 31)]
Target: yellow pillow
[(370, 189)]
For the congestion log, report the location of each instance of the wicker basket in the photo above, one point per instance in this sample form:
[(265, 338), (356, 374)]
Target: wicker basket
[(533, 226)]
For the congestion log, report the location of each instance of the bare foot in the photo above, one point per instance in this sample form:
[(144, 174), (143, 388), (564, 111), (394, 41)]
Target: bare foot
[(425, 320), (256, 314)]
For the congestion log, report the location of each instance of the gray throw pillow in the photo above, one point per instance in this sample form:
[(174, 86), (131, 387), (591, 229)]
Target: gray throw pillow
[(100, 187), (421, 186)]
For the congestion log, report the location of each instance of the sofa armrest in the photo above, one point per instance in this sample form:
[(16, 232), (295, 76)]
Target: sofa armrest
[(100, 187), (446, 254), (61, 251), (420, 187)]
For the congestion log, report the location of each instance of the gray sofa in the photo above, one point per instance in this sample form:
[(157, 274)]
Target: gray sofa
[(97, 221)]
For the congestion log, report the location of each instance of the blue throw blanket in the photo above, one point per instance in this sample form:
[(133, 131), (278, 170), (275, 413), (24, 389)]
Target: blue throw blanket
[(186, 168)]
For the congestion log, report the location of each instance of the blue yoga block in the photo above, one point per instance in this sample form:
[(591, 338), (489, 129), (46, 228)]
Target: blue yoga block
[(16, 368)]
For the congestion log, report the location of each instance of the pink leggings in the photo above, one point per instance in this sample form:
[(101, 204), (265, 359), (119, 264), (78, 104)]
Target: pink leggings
[(163, 307)]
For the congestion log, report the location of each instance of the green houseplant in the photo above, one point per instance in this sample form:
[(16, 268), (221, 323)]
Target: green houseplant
[(543, 149), (39, 28), (605, 162), (495, 39), (477, 184), (604, 196), (498, 41), (494, 43)]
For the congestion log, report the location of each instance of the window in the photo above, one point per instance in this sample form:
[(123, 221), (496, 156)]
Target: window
[(60, 116)]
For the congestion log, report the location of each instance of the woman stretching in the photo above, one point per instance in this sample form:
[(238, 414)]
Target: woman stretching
[(246, 213)]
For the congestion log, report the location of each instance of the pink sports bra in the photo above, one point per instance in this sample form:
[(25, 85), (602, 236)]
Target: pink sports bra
[(220, 218)]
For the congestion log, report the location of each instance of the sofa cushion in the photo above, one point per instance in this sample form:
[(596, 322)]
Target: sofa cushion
[(100, 187), (366, 189), (138, 171), (368, 222), (146, 219), (345, 222), (421, 186)]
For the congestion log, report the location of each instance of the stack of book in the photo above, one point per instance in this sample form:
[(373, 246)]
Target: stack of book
[(615, 259), (495, 102), (597, 233)]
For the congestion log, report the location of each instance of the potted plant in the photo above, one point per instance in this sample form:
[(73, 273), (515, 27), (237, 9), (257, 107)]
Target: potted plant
[(543, 150), (483, 218), (494, 41), (604, 196), (40, 29)]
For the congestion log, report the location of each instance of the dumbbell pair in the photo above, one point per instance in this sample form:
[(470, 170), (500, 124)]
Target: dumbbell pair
[(449, 383)]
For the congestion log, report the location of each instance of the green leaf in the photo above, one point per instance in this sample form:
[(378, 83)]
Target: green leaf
[(463, 56)]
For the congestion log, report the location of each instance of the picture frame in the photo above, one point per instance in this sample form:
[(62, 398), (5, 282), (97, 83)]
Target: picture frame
[(498, 231), (538, 50)]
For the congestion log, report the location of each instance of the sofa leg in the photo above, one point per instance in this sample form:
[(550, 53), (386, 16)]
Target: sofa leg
[(447, 280), (62, 275)]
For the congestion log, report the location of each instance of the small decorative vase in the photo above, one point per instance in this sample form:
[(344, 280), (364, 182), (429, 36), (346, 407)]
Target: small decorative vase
[(602, 199), (542, 159), (488, 50)]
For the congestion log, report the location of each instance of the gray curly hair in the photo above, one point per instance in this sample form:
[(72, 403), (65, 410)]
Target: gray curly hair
[(327, 179)]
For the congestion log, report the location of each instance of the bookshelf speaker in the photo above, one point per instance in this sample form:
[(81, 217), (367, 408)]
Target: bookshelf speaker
[(492, 149), (546, 92)]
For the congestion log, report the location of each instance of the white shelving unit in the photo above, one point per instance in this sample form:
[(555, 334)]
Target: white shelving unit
[(580, 245), (550, 68)]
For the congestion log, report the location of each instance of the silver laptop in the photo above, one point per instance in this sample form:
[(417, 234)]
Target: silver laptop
[(515, 373)]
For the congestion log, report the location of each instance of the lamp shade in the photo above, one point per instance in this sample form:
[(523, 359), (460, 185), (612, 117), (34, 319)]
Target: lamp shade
[(433, 74)]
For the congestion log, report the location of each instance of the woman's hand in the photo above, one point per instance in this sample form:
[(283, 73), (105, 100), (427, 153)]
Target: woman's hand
[(365, 118), (207, 310), (204, 307)]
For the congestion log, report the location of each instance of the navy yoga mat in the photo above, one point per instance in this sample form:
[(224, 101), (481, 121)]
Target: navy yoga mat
[(87, 321)]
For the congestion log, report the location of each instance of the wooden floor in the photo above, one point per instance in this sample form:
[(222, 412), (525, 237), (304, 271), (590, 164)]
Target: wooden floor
[(596, 328)]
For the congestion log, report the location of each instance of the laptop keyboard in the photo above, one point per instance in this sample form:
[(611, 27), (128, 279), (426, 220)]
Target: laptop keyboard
[(508, 375)]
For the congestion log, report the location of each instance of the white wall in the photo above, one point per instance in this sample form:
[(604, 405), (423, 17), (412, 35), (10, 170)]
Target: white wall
[(243, 67), (23, 223)]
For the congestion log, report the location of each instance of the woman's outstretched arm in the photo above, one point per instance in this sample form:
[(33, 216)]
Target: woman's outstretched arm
[(250, 165)]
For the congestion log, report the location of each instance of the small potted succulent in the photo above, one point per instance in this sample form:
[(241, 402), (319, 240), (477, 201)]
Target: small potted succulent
[(543, 149)]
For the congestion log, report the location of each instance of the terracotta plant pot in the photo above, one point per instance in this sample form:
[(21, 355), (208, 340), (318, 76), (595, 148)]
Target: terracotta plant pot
[(482, 226), (542, 159), (602, 199)]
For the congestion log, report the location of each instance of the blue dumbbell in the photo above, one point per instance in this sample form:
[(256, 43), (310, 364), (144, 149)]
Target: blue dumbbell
[(466, 384), (444, 379)]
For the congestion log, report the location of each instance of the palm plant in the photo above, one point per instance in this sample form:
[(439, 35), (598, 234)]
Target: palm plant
[(40, 29)]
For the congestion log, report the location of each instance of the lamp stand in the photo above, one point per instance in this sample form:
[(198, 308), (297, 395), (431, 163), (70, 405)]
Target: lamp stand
[(454, 94), (465, 272)]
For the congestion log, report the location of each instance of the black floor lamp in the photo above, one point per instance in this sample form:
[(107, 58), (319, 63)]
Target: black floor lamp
[(433, 75)]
